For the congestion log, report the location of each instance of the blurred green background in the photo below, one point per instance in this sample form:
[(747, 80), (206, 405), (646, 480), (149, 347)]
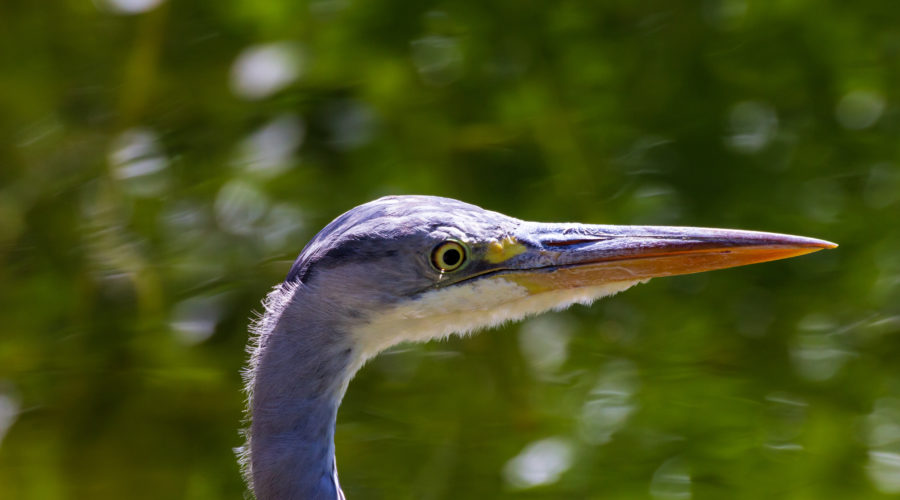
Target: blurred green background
[(162, 163)]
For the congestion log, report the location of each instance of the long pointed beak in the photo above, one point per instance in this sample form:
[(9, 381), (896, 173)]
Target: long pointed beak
[(559, 256)]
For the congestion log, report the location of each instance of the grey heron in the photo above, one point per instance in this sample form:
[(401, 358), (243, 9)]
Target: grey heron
[(415, 268)]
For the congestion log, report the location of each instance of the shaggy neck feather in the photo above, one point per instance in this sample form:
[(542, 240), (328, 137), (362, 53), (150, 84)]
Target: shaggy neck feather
[(300, 373)]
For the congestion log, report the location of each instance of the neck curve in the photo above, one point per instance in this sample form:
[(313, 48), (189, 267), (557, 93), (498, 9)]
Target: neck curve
[(298, 375)]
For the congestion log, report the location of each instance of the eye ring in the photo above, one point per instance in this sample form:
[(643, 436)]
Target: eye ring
[(448, 256)]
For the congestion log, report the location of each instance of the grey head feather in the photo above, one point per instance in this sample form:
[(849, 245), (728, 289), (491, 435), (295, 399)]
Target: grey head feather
[(360, 263), (363, 233)]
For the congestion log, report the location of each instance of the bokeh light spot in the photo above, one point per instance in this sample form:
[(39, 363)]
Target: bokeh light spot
[(817, 353), (239, 206), (281, 229), (544, 342), (671, 481), (138, 162), (541, 462), (194, 320), (610, 402), (261, 70), (438, 59), (128, 6), (753, 126), (859, 109), (9, 408), (884, 471), (883, 424), (269, 150)]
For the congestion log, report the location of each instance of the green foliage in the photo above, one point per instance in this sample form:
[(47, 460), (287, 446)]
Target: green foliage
[(160, 171)]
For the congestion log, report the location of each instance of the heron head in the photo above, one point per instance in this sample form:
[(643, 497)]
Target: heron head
[(420, 267)]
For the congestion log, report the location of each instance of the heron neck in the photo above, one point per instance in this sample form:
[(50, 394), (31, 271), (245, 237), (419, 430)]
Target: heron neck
[(303, 370)]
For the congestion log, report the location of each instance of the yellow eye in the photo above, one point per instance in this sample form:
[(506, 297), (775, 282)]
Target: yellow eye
[(448, 256)]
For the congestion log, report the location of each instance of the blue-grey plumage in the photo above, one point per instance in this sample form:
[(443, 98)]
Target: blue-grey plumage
[(415, 268)]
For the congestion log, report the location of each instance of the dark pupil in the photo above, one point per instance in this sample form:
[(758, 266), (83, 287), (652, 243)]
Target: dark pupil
[(451, 257)]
